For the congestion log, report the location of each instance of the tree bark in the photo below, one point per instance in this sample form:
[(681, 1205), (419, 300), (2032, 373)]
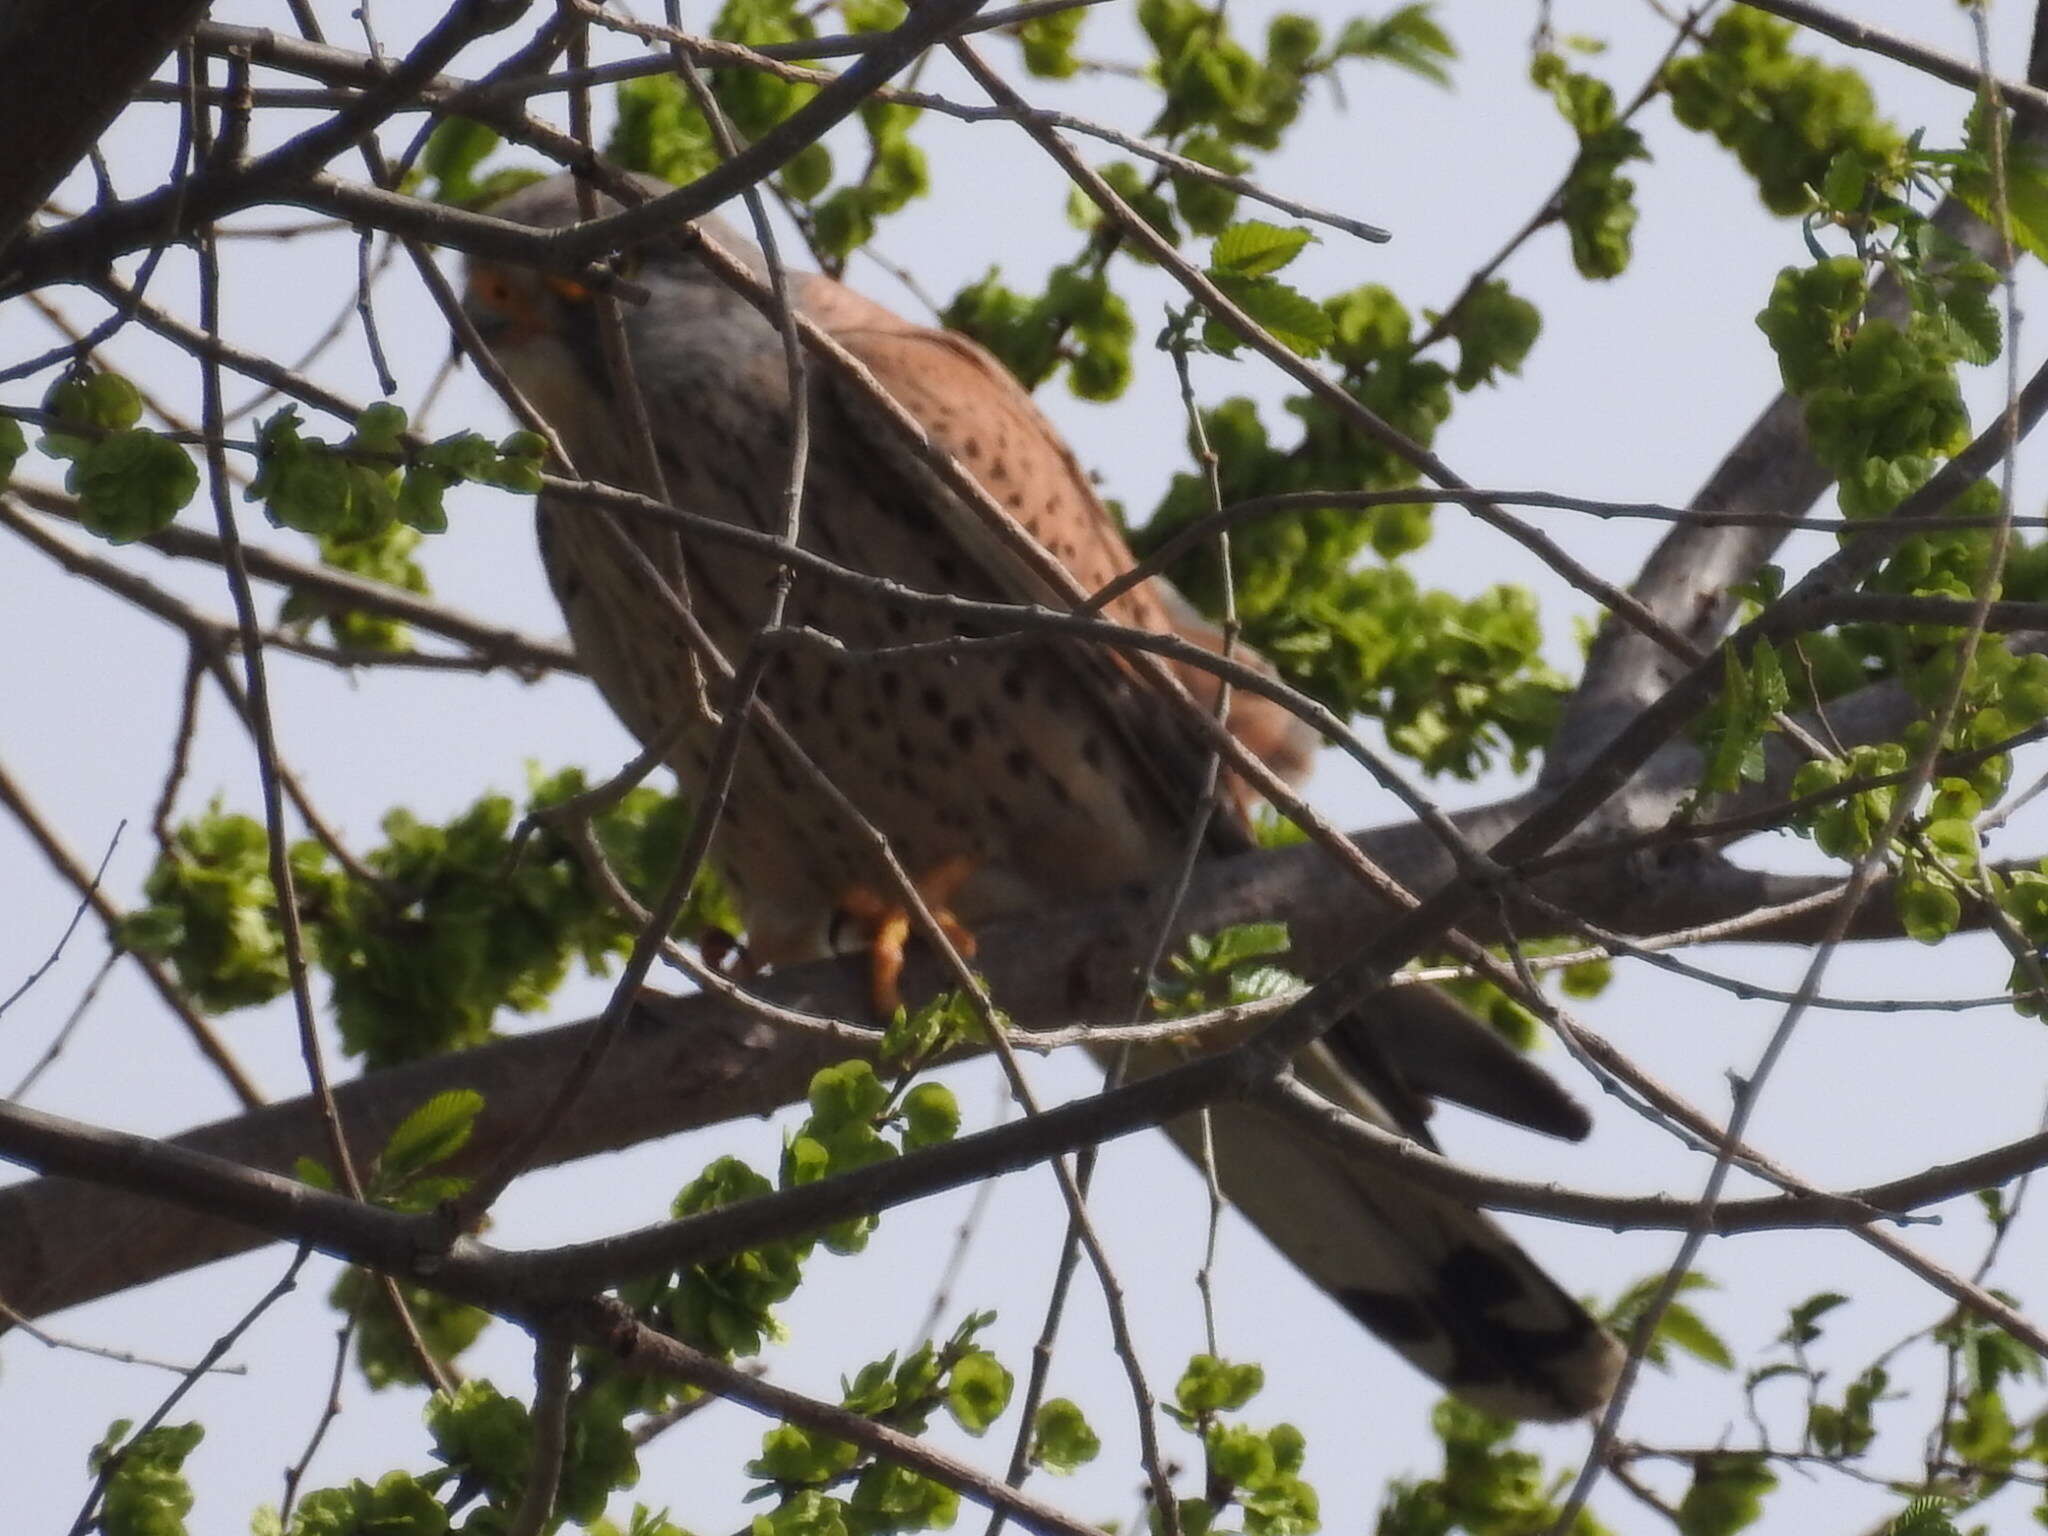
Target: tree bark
[(72, 66)]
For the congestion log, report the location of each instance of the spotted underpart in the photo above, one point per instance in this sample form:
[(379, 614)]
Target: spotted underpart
[(1041, 764)]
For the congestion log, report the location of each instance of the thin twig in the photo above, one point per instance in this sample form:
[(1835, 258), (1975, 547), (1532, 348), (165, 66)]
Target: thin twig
[(639, 1347), (553, 1355), (15, 1320), (85, 901), (330, 1410), (70, 1025), (60, 858), (112, 1462)]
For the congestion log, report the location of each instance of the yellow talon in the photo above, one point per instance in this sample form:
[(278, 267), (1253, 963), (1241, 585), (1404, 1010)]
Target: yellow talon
[(888, 924)]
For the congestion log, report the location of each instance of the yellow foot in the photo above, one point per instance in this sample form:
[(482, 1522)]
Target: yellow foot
[(887, 922)]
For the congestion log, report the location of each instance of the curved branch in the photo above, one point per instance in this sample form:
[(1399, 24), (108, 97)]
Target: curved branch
[(688, 1062)]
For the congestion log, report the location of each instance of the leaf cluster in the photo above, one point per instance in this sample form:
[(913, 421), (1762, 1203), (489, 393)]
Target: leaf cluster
[(367, 500), (1256, 1471), (357, 488), (146, 1492), (484, 1442), (1488, 1487), (130, 482), (1503, 1011), (402, 1177), (459, 920), (661, 130), (726, 1305), (1596, 202), (1883, 406), (1223, 102), (799, 1466), (1786, 115), (1224, 970), (1078, 323), (1455, 680)]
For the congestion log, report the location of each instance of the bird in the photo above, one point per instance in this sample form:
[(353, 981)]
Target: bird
[(1005, 779)]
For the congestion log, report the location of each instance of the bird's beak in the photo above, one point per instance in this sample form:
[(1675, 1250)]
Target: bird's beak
[(504, 312)]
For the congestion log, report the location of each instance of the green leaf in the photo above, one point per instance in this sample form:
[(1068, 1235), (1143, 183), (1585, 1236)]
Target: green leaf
[(212, 912), (873, 1391), (1726, 1495), (892, 1498), (1923, 1517), (419, 500), (484, 1433), (1928, 906), (384, 1350), (871, 15), (725, 1305), (1049, 43), (931, 1115), (1587, 979), (1256, 249), (1733, 730), (399, 1505), (807, 173), (93, 399), (1293, 319), (1684, 1328), (1205, 207), (453, 151), (13, 444), (1679, 1327), (1847, 1430), (1802, 1326), (431, 1134), (978, 1390), (147, 1495), (808, 1513), (1244, 942), (1494, 330), (303, 484), (847, 1094), (659, 131), (2026, 186), (1408, 38), (1061, 1439), (1788, 117), (1210, 1385), (131, 484), (916, 1035), (795, 1455)]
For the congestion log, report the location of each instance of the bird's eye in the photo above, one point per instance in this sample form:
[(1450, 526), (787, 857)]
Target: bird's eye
[(493, 290)]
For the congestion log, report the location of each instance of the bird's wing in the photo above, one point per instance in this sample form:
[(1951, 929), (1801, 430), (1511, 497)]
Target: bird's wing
[(1437, 1280), (972, 407)]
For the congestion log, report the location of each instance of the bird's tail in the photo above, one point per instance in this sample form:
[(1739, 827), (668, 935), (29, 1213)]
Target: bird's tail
[(1437, 1280)]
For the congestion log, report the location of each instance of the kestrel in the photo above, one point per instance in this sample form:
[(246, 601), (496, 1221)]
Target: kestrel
[(1005, 780)]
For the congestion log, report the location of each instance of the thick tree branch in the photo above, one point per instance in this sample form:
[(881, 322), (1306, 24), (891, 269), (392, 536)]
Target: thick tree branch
[(687, 1062), (53, 110)]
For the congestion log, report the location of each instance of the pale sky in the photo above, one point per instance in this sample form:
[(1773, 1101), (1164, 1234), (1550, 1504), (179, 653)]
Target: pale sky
[(1634, 391)]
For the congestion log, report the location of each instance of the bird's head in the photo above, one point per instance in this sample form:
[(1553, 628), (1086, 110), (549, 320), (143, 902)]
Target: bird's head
[(542, 326), (512, 306)]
